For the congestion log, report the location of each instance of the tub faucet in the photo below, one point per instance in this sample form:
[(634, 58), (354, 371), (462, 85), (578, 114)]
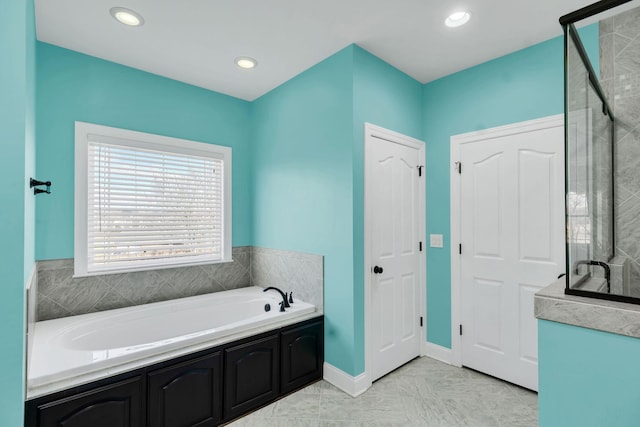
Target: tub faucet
[(283, 294)]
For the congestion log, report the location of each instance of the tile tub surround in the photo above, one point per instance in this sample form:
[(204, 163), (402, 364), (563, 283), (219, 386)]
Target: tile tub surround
[(60, 295), (620, 318), (290, 271), (31, 299)]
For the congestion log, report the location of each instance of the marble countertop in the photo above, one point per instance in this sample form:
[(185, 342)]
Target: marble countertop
[(620, 318)]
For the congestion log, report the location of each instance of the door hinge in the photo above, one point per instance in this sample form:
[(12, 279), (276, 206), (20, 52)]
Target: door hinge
[(420, 170), (460, 329), (421, 321), (459, 167), (460, 248), (420, 245)]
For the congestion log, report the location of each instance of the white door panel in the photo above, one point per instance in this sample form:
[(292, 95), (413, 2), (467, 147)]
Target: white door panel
[(528, 348), (511, 230), (393, 208), (486, 314), (385, 319)]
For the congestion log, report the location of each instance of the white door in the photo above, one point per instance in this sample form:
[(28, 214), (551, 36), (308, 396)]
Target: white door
[(512, 237), (395, 215)]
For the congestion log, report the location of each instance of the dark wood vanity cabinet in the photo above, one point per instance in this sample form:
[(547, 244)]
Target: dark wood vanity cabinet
[(301, 356), (252, 375), (258, 371), (186, 394), (120, 404), (199, 390)]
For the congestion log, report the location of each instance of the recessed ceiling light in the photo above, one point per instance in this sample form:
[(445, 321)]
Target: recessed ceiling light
[(246, 62), (457, 18), (127, 16)]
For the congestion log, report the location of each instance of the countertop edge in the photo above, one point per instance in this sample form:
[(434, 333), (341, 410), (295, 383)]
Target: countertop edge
[(614, 317)]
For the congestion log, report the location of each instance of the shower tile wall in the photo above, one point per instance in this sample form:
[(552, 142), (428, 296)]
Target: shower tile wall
[(60, 295), (620, 76)]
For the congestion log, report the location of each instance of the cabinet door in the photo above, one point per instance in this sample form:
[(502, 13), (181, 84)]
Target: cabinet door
[(302, 353), (115, 405), (252, 373), (186, 394)]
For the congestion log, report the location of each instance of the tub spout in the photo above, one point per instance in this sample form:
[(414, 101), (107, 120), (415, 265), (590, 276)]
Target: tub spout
[(284, 296)]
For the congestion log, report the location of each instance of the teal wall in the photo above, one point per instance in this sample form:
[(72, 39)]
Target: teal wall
[(587, 378), (302, 185), (386, 97), (72, 86), (308, 178), (298, 153), (524, 85), (298, 183), (17, 46), (30, 143)]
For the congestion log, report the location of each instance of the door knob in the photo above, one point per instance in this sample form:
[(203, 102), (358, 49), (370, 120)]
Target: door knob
[(377, 270)]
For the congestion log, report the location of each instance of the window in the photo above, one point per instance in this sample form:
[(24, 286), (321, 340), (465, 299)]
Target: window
[(579, 219), (146, 201)]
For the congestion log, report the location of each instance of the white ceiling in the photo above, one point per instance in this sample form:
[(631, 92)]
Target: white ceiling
[(196, 41)]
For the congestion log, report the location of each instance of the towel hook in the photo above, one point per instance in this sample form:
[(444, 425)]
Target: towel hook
[(36, 183)]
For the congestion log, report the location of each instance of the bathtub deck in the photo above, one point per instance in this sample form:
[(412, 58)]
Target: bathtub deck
[(52, 369)]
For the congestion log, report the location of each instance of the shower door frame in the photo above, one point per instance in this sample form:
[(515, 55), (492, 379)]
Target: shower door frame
[(567, 22)]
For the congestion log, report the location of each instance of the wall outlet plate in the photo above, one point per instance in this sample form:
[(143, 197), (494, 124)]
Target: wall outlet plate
[(436, 240)]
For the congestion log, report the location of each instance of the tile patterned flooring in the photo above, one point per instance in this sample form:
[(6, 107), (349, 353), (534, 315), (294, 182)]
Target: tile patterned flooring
[(424, 392)]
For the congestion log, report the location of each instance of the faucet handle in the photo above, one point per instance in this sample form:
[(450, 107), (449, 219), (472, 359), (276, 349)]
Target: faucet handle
[(291, 297), (282, 306)]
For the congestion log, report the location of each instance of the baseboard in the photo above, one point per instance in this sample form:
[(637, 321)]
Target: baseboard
[(353, 386), (438, 352)]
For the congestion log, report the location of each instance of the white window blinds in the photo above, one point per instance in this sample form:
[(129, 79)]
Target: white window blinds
[(151, 208)]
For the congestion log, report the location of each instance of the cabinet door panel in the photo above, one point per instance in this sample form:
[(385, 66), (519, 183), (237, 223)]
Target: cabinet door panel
[(186, 394), (115, 405), (302, 356), (251, 375)]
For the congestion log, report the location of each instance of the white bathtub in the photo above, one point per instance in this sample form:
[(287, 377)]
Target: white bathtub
[(112, 341)]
